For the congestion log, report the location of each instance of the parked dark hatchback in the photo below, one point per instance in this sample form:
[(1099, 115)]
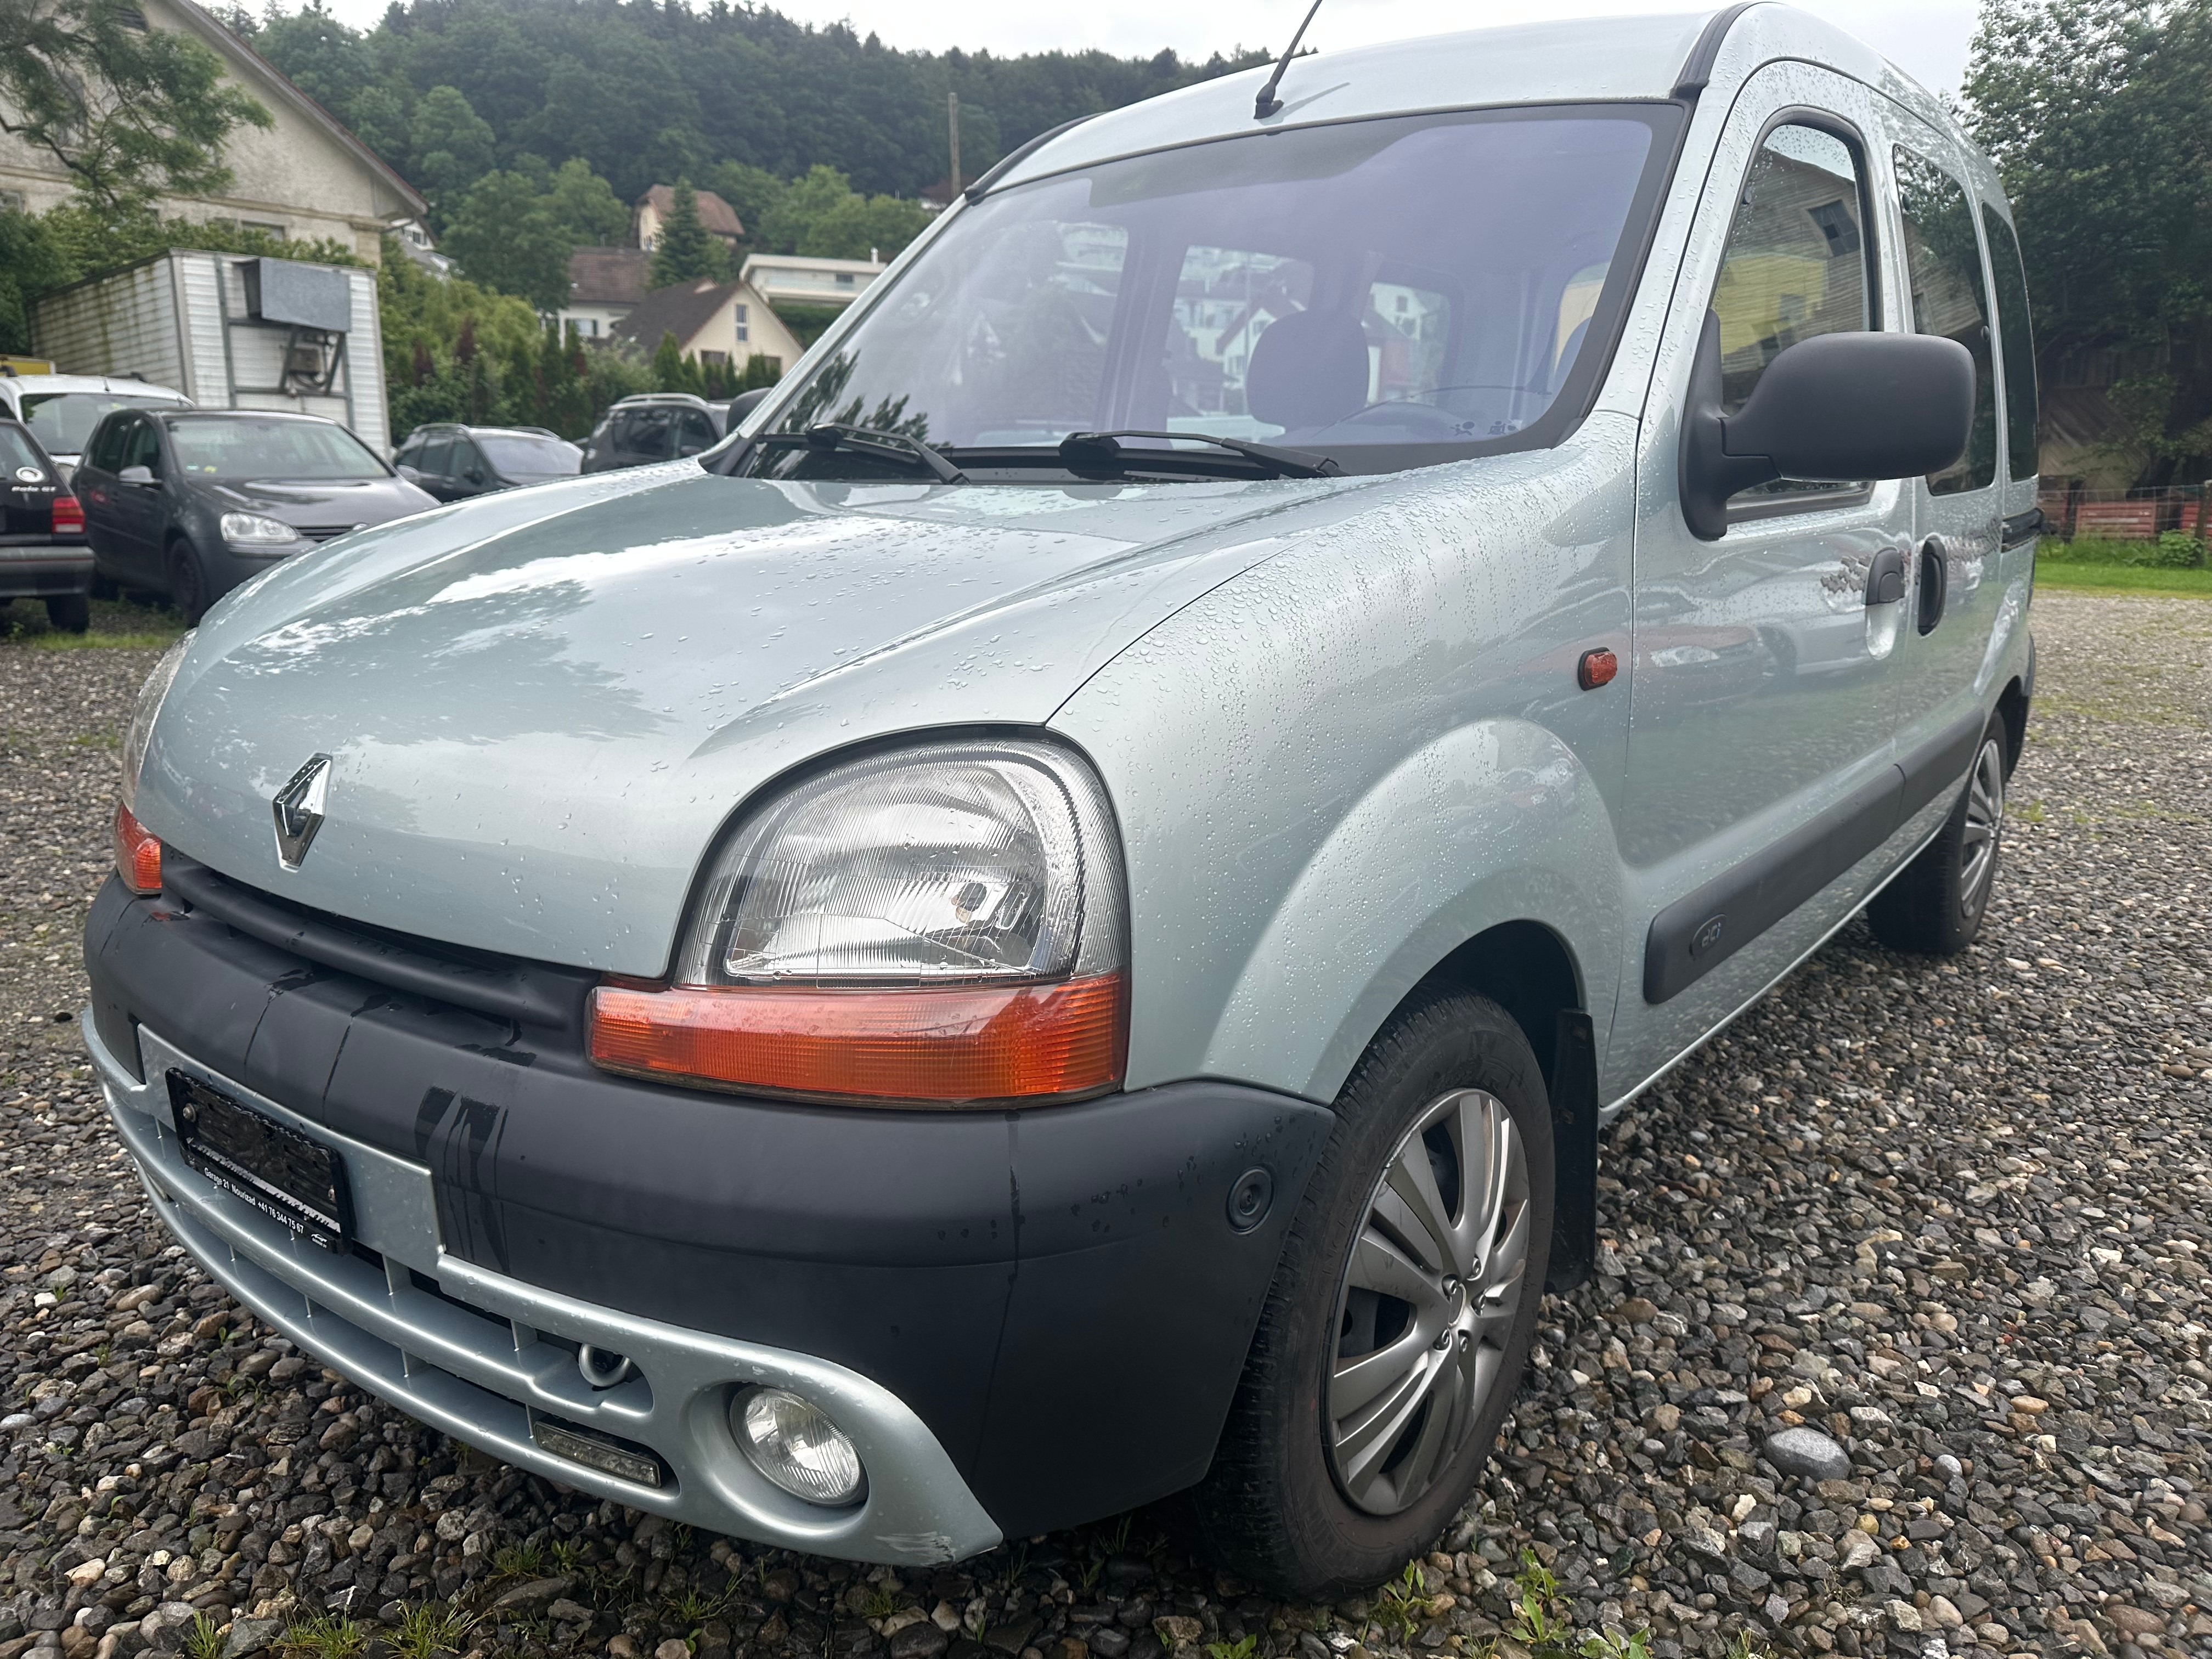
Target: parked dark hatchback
[(42, 547), (662, 426), (192, 504), (456, 462)]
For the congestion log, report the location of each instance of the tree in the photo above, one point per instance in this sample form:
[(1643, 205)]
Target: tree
[(584, 205), (685, 249), (805, 201), (453, 145), (131, 113), (505, 234), (752, 193), (2098, 114)]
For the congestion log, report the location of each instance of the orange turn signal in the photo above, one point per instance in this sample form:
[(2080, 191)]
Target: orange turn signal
[(137, 853), (926, 1046)]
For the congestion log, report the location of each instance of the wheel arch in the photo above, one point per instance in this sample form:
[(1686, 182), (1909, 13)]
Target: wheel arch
[(2012, 706)]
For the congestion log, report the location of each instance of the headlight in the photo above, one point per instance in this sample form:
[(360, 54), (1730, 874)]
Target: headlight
[(140, 732), (940, 925), (251, 530)]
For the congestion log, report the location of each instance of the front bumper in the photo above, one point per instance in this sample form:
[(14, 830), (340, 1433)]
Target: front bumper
[(1057, 1296), (481, 1356)]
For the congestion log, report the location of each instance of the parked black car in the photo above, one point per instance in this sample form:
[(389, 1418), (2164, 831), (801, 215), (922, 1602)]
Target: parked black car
[(43, 553), (192, 503), (456, 462), (662, 426)]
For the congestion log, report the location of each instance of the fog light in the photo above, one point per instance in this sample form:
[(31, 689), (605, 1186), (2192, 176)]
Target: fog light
[(793, 1441)]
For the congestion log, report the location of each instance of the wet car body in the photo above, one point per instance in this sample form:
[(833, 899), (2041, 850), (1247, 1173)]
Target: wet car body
[(1308, 687)]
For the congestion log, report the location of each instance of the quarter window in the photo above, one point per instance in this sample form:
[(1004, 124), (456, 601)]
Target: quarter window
[(1943, 263), (2017, 342)]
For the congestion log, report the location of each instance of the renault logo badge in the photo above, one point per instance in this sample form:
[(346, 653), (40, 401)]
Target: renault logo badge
[(299, 810)]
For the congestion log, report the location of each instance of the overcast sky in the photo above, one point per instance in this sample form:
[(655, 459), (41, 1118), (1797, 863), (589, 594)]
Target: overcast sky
[(1926, 39)]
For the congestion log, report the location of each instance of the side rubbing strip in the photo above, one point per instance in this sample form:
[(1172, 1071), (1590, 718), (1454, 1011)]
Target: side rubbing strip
[(1695, 934)]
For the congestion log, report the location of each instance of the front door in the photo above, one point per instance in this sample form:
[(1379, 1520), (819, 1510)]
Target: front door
[(141, 511), (1762, 710)]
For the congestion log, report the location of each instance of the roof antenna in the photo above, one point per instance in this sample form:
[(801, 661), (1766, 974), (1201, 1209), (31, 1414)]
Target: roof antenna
[(1266, 103)]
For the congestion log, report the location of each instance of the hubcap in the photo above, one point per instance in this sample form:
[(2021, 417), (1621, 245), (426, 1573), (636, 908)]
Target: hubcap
[(1977, 850), (1427, 1301)]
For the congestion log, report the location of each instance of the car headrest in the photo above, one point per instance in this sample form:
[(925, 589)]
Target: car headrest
[(1307, 370)]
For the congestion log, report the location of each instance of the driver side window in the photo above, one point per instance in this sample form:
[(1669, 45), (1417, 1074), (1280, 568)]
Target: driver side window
[(141, 446), (1798, 263)]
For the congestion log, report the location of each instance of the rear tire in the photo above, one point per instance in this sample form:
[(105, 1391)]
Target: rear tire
[(188, 584), (1935, 905), (1357, 1433), (69, 612)]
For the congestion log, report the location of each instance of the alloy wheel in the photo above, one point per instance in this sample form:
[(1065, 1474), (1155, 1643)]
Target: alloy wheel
[(1427, 1302), (1978, 845)]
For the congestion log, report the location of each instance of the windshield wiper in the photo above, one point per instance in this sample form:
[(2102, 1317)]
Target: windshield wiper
[(873, 441), (1101, 451)]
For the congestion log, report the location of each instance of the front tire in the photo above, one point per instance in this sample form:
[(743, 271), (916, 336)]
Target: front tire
[(1937, 905), (1398, 1327), (188, 582)]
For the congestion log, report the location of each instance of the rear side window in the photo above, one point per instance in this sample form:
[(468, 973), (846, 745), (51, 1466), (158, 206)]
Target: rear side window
[(17, 452), (141, 447), (1943, 263), (437, 455), (106, 453), (695, 432), (2017, 342)]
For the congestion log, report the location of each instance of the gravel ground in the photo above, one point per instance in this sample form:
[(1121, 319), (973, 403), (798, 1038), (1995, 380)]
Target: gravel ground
[(1957, 1218)]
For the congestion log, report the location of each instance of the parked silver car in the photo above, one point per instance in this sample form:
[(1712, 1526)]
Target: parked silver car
[(1053, 922)]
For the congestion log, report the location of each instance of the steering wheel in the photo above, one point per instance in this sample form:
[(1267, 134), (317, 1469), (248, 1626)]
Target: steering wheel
[(1428, 414)]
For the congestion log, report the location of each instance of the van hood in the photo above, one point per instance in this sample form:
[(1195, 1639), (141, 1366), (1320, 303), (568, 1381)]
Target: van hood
[(540, 707)]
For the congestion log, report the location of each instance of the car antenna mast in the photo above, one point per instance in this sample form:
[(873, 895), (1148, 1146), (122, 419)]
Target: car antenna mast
[(1266, 103)]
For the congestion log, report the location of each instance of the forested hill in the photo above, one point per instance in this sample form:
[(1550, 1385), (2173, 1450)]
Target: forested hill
[(649, 93)]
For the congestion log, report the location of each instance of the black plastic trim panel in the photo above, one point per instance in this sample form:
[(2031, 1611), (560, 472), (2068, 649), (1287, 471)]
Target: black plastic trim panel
[(2024, 527), (1696, 933), (1698, 67), (1059, 1294)]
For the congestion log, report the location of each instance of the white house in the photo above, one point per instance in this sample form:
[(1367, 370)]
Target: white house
[(797, 279), (716, 322), (306, 177)]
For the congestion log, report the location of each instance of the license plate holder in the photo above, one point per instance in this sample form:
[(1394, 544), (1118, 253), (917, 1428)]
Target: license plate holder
[(291, 1177)]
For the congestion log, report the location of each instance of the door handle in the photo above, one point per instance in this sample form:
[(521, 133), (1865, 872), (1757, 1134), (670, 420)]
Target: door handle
[(1886, 578), (1935, 582)]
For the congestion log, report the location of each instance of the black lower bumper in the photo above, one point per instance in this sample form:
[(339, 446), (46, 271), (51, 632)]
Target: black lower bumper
[(1059, 1294)]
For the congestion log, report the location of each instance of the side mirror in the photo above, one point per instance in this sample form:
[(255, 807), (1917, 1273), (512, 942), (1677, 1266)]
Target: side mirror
[(475, 475), (408, 473), (744, 404), (136, 474), (1840, 407)]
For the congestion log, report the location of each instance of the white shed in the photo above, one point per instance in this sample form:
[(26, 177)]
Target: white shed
[(231, 330)]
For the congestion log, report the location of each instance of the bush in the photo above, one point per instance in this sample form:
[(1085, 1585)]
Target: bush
[(2177, 550)]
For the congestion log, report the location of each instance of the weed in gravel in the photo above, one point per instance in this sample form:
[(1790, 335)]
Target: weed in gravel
[(203, 1640), (326, 1636), (519, 1561), (1243, 1648), (880, 1603), (428, 1629)]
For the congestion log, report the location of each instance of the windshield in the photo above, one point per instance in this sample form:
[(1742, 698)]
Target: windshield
[(523, 456), (62, 421), (242, 446), (1388, 293)]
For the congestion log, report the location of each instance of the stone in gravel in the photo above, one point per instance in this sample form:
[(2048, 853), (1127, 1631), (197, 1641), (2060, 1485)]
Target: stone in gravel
[(251, 1636), (529, 1599), (674, 1648), (565, 1612), (1174, 1630), (2133, 1621), (1808, 1452), (1011, 1636), (1107, 1641), (921, 1641)]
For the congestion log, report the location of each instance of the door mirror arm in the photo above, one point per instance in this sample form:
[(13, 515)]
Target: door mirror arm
[(1838, 407)]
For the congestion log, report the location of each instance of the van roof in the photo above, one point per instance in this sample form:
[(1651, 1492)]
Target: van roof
[(46, 384), (1574, 60)]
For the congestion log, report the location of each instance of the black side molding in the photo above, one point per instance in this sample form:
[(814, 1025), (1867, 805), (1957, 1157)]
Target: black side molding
[(2025, 526), (1698, 68), (1696, 933), (533, 993)]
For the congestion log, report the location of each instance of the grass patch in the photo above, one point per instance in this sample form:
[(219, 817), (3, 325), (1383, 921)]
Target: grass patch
[(432, 1628), (115, 626), (203, 1640), (326, 1636), (51, 641), (2122, 578)]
